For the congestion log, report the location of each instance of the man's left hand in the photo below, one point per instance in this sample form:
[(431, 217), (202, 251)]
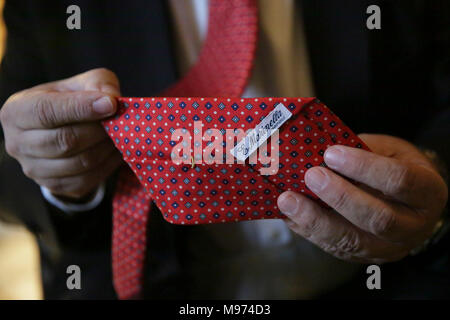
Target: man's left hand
[(394, 207)]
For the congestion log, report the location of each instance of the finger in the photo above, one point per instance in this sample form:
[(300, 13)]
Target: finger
[(66, 167), (80, 185), (100, 79), (408, 183), (48, 109), (60, 142), (385, 220), (332, 233)]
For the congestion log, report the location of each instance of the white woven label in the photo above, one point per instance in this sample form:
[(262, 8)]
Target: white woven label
[(258, 135)]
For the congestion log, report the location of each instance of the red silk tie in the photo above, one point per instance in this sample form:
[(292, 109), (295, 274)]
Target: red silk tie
[(200, 192), (222, 69)]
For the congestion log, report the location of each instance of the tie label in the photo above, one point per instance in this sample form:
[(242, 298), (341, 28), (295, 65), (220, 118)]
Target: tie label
[(263, 131)]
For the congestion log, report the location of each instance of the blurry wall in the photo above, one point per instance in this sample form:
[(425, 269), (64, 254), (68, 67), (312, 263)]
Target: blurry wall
[(2, 29), (19, 256)]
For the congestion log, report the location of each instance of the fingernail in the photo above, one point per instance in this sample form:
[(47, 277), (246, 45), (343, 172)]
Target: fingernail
[(334, 157), (103, 106), (287, 204), (316, 179)]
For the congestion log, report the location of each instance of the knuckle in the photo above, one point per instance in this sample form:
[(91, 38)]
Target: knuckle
[(28, 171), (103, 73), (310, 224), (86, 160), (383, 222), (77, 110), (103, 79), (44, 112), (8, 112), (66, 139), (400, 179), (341, 198), (5, 112), (361, 167), (11, 147), (348, 245)]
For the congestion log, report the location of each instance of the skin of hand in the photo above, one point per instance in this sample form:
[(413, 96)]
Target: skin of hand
[(53, 131), (394, 206)]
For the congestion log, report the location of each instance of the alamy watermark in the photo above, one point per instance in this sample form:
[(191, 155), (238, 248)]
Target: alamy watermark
[(374, 280), (74, 279), (73, 21), (373, 22), (253, 147)]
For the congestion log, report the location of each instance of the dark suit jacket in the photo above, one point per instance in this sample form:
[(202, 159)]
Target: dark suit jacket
[(395, 81)]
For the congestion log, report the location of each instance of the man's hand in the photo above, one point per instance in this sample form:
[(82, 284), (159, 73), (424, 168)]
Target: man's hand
[(53, 130), (393, 209)]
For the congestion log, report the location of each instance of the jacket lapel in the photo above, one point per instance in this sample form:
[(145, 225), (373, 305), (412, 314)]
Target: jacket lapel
[(337, 41)]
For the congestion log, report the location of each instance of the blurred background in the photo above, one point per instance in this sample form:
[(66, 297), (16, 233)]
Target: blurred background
[(19, 255)]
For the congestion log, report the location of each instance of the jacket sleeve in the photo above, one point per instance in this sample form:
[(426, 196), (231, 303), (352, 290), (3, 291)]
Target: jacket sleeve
[(21, 65), (21, 201)]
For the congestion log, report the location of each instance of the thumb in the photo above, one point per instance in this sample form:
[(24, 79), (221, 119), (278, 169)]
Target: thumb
[(100, 79)]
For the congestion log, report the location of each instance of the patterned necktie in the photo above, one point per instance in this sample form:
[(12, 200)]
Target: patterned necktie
[(222, 69), (201, 192), (198, 190)]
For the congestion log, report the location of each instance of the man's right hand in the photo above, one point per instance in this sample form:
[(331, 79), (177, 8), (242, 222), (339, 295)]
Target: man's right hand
[(53, 130)]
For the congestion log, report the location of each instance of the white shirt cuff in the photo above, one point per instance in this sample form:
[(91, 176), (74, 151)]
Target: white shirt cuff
[(68, 207)]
